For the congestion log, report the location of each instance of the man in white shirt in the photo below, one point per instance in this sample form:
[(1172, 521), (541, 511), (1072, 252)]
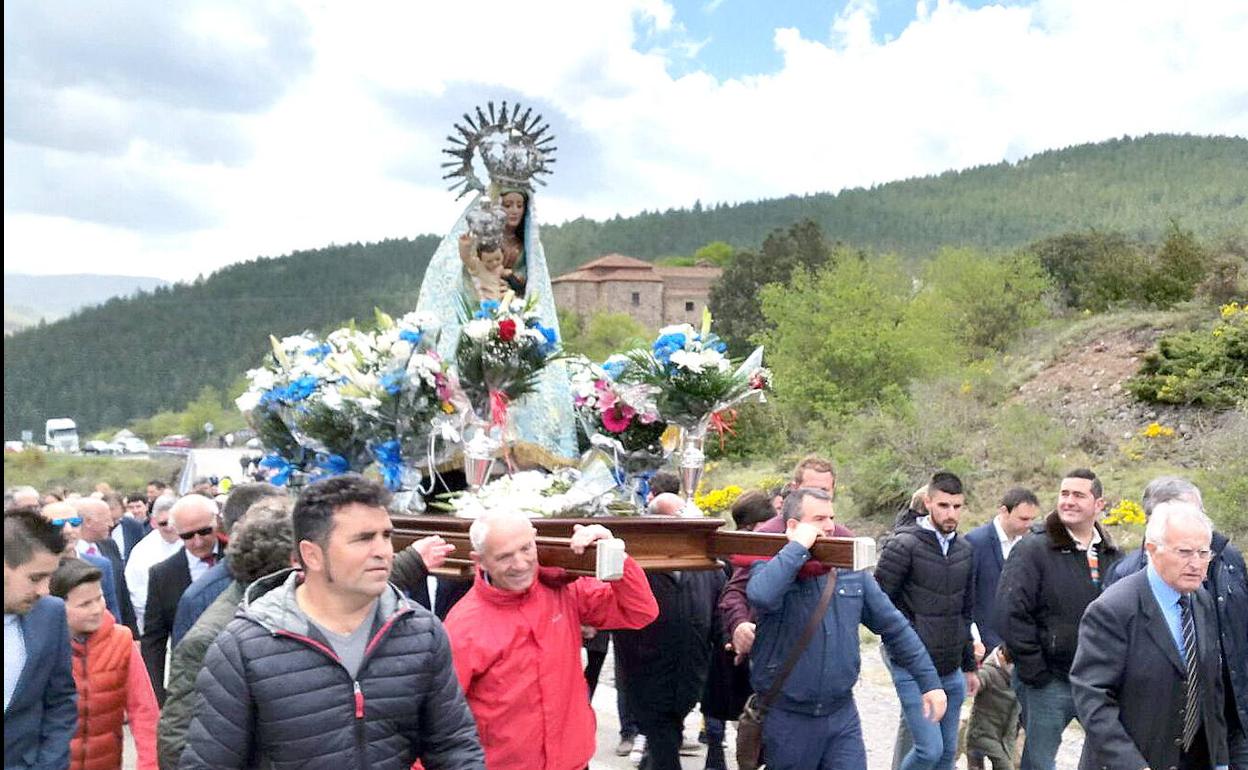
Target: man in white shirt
[(194, 519), (155, 547), (992, 543)]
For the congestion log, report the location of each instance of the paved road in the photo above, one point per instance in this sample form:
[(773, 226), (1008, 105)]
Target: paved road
[(877, 705)]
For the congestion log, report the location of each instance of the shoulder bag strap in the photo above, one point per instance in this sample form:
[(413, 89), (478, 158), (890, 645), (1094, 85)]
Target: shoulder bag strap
[(815, 620)]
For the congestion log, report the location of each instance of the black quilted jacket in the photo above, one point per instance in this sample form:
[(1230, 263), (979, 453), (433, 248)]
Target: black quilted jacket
[(934, 591), (275, 695)]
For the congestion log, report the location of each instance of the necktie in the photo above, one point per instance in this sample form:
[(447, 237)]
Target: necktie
[(210, 559), (91, 549), (1191, 720)]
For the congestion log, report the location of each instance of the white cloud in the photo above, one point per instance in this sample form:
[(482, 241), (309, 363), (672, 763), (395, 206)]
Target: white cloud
[(339, 137)]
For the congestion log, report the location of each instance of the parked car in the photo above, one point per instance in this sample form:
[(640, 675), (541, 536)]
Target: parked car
[(100, 448), (133, 446), (176, 441), (14, 446)]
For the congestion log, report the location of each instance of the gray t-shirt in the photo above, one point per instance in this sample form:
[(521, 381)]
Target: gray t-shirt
[(349, 647)]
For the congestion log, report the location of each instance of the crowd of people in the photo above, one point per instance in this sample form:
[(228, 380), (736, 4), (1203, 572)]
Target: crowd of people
[(257, 629)]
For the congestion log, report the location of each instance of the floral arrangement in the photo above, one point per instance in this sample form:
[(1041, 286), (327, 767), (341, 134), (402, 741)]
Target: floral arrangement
[(502, 349), (533, 492), (357, 399), (693, 376), (624, 412)]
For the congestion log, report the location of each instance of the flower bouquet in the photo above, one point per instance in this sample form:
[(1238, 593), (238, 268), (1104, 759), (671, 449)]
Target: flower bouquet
[(358, 399), (501, 351), (621, 419), (535, 493), (695, 382)]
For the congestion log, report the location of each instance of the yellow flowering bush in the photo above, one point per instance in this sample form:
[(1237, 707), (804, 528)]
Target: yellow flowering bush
[(718, 501), (1157, 431), (1126, 512), (1203, 368)]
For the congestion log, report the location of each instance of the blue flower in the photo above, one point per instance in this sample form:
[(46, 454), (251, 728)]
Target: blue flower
[(320, 351), (548, 347), (668, 344), (271, 396), (614, 369), (414, 337), (301, 389), (389, 457), (393, 382), (330, 465), (488, 308), (719, 347), (280, 464)]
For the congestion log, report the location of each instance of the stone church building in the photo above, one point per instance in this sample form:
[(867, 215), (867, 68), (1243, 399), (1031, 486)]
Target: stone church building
[(655, 295)]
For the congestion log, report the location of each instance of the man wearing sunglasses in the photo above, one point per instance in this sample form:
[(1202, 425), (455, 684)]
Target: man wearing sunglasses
[(158, 545), (68, 520), (194, 519)]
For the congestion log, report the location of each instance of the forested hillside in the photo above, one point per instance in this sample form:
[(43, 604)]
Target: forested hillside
[(132, 357), (1133, 186)]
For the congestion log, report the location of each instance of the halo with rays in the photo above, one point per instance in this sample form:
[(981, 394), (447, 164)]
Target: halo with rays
[(515, 149)]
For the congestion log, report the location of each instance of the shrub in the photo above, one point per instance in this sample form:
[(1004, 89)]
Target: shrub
[(757, 430), (1205, 367)]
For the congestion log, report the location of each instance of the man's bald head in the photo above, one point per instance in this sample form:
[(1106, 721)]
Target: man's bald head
[(666, 504), (97, 519)]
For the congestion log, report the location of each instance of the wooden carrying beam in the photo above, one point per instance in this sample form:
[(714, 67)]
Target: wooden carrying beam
[(657, 544)]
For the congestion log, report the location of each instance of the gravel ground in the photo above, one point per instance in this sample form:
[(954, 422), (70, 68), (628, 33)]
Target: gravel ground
[(877, 705)]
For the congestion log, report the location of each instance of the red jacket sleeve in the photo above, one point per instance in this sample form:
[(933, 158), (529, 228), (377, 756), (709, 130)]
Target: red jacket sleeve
[(463, 652), (625, 603), (142, 710)]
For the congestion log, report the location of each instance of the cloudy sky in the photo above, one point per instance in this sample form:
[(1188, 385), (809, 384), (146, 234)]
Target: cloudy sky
[(172, 138)]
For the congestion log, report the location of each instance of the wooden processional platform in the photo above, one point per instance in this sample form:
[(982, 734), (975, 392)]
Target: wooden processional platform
[(657, 544)]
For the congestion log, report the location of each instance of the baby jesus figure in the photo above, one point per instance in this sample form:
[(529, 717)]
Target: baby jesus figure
[(484, 263)]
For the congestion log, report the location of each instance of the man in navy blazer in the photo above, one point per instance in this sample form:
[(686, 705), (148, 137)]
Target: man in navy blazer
[(40, 699), (991, 544), (1147, 675)]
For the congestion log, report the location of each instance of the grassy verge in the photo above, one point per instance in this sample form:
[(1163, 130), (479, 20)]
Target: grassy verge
[(76, 473)]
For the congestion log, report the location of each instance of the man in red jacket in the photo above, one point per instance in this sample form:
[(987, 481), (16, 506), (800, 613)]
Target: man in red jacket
[(516, 644)]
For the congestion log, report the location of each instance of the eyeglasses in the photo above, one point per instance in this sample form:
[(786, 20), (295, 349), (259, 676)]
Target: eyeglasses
[(1192, 554), (163, 524), (74, 522), (205, 532)]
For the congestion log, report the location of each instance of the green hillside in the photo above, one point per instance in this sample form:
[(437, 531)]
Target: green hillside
[(133, 357)]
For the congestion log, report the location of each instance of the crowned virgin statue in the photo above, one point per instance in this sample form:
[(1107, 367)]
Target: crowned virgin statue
[(494, 251)]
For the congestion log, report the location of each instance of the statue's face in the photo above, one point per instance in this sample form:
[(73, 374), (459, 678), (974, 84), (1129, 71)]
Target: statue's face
[(492, 260), (513, 206)]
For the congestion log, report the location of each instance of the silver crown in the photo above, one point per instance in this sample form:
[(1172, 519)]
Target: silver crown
[(486, 221), (515, 149)]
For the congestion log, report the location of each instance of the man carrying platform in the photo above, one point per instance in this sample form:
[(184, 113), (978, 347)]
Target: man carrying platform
[(516, 643)]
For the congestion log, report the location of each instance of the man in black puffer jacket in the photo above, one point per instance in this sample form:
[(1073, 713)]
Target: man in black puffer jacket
[(927, 572), (1051, 577), (330, 666)]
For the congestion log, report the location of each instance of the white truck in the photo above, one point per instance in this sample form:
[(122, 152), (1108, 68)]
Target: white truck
[(61, 435)]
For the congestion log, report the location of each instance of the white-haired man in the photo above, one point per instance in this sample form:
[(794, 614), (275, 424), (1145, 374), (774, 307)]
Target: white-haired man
[(1147, 674), (516, 643), (156, 546)]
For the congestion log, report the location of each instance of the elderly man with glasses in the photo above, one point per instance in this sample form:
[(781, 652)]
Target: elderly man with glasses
[(158, 545), (68, 520), (194, 520)]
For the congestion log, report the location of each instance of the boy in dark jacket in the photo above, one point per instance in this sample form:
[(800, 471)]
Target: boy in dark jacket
[(993, 730)]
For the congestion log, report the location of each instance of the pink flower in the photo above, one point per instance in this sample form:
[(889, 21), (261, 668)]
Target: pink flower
[(618, 419)]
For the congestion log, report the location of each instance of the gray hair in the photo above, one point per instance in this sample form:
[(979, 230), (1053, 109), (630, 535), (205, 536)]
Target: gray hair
[(162, 504), (1166, 488), (793, 503), (1164, 513), (187, 502), (666, 504), (480, 529)]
